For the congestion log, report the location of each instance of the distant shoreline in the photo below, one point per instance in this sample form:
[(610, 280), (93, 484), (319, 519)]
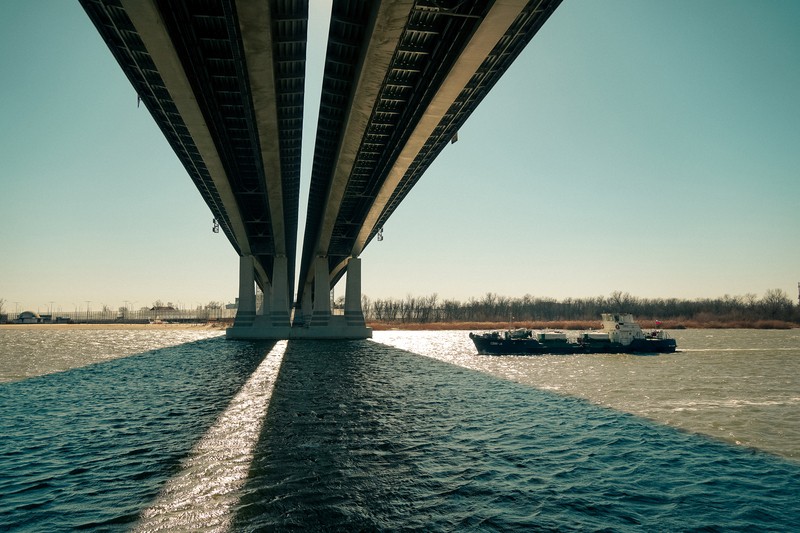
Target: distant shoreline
[(441, 326), (577, 325), (198, 325)]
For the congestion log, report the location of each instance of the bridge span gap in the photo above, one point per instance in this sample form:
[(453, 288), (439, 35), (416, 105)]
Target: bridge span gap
[(314, 320)]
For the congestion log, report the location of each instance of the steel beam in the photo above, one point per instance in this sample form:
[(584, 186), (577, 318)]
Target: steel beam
[(146, 18)]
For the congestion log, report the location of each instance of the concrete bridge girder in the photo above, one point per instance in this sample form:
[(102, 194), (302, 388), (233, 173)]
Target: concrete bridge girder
[(494, 26), (256, 29), (387, 28), (492, 29), (145, 16), (256, 34), (258, 60)]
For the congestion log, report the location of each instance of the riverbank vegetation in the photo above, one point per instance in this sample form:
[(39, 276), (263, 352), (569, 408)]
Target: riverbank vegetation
[(774, 310)]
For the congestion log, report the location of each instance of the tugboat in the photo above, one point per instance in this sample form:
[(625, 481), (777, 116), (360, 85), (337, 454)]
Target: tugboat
[(620, 334)]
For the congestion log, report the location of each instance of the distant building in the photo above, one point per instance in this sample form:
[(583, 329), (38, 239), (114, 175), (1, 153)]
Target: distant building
[(28, 317)]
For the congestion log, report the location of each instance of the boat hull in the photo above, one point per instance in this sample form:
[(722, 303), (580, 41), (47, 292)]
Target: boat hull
[(495, 345)]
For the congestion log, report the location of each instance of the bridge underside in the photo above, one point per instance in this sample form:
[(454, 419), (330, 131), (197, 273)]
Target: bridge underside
[(261, 322), (224, 80)]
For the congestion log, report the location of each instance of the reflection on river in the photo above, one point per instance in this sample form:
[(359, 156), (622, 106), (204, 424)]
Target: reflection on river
[(741, 386), (412, 430)]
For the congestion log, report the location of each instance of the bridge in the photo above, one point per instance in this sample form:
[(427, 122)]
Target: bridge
[(225, 82)]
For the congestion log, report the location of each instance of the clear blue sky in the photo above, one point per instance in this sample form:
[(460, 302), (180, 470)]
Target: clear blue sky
[(642, 146)]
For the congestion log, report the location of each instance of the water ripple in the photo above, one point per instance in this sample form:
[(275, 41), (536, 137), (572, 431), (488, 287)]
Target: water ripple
[(202, 495), (347, 436), (89, 447), (360, 436)]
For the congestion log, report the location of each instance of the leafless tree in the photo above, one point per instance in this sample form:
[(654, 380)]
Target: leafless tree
[(775, 305)]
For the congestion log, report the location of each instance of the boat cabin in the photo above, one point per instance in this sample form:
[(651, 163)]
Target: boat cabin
[(621, 328)]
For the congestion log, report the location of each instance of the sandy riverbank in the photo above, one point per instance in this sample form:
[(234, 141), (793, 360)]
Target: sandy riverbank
[(584, 325), (114, 326), (440, 326)]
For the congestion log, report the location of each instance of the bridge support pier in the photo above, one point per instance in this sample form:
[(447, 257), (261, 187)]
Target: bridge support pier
[(279, 305), (306, 308), (322, 294), (246, 312), (353, 313), (266, 303), (272, 322)]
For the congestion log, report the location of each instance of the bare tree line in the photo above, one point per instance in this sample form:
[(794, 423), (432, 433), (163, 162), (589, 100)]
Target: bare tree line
[(775, 304)]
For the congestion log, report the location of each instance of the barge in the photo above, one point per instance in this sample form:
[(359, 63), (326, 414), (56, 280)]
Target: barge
[(620, 334)]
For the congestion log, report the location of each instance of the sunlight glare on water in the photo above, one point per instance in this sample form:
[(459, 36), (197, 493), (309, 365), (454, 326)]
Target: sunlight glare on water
[(27, 351), (740, 386), (216, 435), (204, 493)]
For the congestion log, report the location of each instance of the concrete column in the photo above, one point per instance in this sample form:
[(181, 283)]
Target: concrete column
[(307, 305), (266, 301), (246, 312), (279, 308), (322, 293), (353, 313), (276, 324), (263, 316)]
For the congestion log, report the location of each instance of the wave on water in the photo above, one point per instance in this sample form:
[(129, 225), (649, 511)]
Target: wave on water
[(203, 494), (89, 448), (363, 436), (347, 436)]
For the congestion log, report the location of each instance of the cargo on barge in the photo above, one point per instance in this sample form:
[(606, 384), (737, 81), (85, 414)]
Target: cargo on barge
[(620, 334)]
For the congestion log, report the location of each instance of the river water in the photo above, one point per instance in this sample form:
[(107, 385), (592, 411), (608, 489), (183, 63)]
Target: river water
[(168, 430)]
